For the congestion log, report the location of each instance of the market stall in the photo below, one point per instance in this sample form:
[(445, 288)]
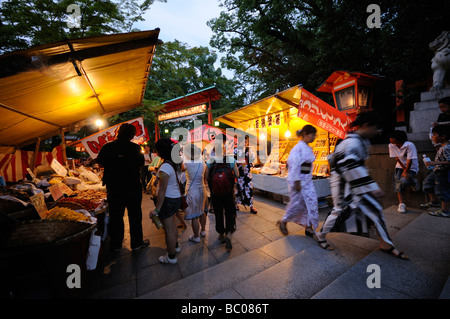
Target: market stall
[(50, 90), (275, 119), (205, 135), (187, 107)]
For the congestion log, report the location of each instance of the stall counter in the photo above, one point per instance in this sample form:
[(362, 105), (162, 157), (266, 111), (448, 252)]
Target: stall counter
[(278, 185)]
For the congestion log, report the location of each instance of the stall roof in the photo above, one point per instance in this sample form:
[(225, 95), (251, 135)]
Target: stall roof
[(202, 96), (58, 87), (275, 103), (338, 76), (310, 110)]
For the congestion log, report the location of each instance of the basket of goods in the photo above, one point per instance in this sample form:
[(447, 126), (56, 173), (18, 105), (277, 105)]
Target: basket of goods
[(78, 203), (93, 197), (60, 225)]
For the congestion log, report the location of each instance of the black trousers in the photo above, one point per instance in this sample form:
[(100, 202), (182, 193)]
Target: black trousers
[(118, 201), (224, 206), (146, 175)]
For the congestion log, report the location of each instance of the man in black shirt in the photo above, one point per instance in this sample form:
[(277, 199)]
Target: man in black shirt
[(122, 161)]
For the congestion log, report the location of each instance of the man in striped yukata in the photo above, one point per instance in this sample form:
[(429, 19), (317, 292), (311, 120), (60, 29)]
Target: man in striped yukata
[(354, 192)]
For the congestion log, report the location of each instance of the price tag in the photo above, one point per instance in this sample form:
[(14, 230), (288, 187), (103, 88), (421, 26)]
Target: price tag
[(65, 189), (58, 168), (56, 192), (39, 204)]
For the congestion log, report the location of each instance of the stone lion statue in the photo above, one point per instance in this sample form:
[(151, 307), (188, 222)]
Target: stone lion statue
[(440, 63)]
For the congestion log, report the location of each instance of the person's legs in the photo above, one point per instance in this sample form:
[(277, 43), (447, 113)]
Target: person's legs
[(134, 201), (116, 208), (171, 235), (217, 203), (202, 220), (195, 227)]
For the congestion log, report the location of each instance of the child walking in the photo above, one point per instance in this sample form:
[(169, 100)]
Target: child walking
[(407, 165)]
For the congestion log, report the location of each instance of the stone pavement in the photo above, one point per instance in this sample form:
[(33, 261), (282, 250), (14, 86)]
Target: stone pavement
[(264, 264)]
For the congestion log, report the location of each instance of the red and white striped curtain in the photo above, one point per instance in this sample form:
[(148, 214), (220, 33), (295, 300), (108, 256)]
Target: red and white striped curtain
[(13, 167)]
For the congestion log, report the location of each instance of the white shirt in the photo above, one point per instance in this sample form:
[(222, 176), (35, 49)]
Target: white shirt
[(404, 153), (173, 190)]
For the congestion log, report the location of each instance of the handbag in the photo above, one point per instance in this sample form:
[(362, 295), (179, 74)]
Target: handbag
[(184, 203)]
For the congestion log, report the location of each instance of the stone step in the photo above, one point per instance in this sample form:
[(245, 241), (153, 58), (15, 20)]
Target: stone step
[(427, 242), (290, 267)]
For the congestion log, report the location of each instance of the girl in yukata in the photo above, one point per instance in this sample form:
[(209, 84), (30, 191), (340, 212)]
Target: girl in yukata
[(302, 208)]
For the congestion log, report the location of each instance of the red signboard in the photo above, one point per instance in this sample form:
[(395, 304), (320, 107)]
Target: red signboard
[(94, 143), (319, 113)]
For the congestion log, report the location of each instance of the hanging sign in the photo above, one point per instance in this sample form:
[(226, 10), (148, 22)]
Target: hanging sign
[(319, 113), (182, 113), (94, 143)]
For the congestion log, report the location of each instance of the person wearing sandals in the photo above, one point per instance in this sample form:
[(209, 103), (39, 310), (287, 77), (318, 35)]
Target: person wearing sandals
[(194, 168), (168, 200), (441, 163), (303, 206), (355, 194)]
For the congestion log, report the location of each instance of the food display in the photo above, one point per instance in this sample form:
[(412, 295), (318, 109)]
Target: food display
[(90, 194), (275, 163), (67, 214), (86, 203)]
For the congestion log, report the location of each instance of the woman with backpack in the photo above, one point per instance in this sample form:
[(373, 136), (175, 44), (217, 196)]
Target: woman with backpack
[(221, 172), (302, 207), (168, 200), (195, 191)]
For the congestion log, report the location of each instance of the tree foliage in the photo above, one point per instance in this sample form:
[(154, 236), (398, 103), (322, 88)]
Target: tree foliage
[(27, 23), (178, 70), (276, 44)]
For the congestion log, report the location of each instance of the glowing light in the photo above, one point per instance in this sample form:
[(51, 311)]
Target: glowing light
[(99, 123), (262, 136), (287, 134)]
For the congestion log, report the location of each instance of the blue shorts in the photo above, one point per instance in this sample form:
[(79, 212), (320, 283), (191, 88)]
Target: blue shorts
[(401, 183), (169, 207), (442, 184)]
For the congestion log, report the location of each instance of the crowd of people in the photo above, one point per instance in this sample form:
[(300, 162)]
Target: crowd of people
[(219, 182)]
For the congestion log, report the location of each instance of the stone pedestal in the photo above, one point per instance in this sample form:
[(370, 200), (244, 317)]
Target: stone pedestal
[(424, 115)]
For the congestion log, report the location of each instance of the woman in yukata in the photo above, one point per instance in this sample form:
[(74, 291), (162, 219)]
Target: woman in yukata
[(302, 207)]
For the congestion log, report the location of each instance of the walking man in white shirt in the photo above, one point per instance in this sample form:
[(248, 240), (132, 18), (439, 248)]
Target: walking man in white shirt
[(407, 165)]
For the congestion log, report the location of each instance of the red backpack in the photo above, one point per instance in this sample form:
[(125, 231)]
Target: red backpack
[(221, 181)]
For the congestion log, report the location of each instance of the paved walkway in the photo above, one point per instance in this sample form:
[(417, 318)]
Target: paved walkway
[(263, 262), (127, 275)]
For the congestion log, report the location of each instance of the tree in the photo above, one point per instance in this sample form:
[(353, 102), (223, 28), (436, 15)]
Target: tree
[(27, 23), (178, 70), (276, 44)]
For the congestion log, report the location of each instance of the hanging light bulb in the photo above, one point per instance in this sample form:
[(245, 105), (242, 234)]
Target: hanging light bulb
[(287, 134)]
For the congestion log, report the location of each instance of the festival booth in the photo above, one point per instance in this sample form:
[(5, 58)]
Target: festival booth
[(49, 90), (204, 136), (187, 107), (275, 120)]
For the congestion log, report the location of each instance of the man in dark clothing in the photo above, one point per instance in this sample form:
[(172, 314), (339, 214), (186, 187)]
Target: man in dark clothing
[(122, 160)]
